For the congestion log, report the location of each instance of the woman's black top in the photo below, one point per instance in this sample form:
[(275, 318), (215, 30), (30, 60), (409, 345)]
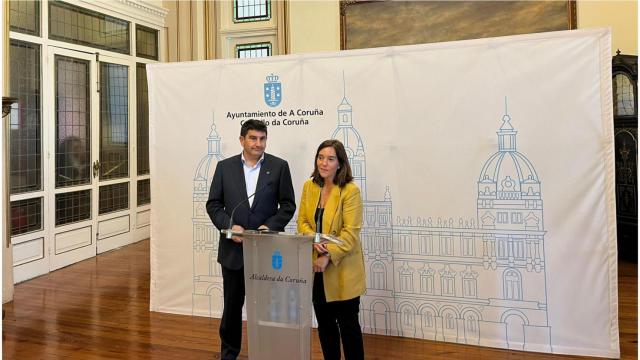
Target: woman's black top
[(318, 219)]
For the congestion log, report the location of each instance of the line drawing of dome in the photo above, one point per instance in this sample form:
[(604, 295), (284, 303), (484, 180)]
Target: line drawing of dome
[(207, 274), (206, 166), (508, 173)]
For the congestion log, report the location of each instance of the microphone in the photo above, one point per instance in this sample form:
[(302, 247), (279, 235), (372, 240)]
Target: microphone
[(269, 183)]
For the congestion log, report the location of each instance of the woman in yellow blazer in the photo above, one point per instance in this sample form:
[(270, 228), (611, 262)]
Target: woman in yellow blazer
[(331, 204)]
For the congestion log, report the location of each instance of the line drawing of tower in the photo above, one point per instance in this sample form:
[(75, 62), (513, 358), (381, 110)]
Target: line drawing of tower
[(352, 141), (376, 234), (207, 273)]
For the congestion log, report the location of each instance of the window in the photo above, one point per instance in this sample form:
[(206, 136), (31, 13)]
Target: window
[(469, 287), (518, 249), (426, 245), (251, 10), (502, 248), (405, 243), (252, 51), (144, 192), (378, 278), (24, 16), (26, 216), (446, 245), (516, 218), (471, 323), (378, 244), (371, 217), (73, 121), (512, 285), (146, 42), (428, 319), (407, 316), (503, 217), (467, 246), (449, 321), (142, 132), (448, 286), (623, 98), (25, 134), (76, 25), (406, 282), (73, 207), (114, 121), (113, 198), (426, 283)]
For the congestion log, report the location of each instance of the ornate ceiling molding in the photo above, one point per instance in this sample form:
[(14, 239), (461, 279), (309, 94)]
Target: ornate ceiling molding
[(150, 12)]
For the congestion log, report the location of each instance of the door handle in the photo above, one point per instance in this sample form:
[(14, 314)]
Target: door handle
[(96, 168)]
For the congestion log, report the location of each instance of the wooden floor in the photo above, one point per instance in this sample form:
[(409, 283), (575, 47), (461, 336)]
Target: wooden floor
[(99, 309)]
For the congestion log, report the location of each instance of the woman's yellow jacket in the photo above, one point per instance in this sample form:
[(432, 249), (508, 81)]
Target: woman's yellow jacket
[(344, 277)]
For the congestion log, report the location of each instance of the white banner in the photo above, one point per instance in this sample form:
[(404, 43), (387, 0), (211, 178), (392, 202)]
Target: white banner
[(486, 170)]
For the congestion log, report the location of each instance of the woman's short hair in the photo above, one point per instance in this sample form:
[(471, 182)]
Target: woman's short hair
[(343, 174)]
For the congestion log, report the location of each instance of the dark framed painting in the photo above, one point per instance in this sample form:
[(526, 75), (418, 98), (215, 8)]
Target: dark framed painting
[(367, 24)]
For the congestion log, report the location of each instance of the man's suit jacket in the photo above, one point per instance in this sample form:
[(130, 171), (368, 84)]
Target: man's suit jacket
[(273, 204)]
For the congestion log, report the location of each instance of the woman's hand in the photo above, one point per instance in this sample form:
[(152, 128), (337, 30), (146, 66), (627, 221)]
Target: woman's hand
[(320, 264), (321, 248)]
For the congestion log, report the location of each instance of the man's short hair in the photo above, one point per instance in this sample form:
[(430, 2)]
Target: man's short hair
[(253, 124)]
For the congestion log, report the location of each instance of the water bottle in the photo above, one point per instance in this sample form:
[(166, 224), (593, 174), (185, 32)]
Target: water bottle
[(292, 304)]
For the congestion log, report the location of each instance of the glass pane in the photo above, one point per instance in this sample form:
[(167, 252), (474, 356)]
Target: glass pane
[(25, 136), (113, 197), (81, 26), (73, 207), (114, 121), (144, 192), (142, 132), (251, 51), (73, 121), (624, 102), (251, 10), (26, 216), (626, 150), (24, 16), (146, 42)]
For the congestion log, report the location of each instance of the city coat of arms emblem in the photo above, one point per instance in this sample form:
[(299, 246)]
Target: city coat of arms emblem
[(272, 91)]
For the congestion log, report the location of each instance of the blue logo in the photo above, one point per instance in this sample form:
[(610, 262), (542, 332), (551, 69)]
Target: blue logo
[(272, 91), (276, 260)]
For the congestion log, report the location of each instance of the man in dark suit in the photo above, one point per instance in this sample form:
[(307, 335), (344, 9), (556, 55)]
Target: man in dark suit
[(271, 208)]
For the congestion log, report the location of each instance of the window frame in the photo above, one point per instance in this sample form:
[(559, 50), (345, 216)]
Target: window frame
[(253, 46), (239, 20)]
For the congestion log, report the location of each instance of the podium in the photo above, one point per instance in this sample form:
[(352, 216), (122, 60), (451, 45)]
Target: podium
[(278, 282)]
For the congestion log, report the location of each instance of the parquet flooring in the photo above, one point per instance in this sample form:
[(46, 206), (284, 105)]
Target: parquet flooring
[(99, 309)]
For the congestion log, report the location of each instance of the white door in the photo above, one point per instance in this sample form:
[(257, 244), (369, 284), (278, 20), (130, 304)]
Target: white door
[(72, 124), (75, 188), (115, 168)]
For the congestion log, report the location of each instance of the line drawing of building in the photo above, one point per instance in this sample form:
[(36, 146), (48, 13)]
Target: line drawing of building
[(207, 273), (475, 281)]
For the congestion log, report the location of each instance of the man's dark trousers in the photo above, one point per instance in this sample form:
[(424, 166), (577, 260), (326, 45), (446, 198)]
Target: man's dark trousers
[(231, 324)]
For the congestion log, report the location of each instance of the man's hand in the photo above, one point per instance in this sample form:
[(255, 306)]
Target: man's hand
[(320, 264), (237, 228)]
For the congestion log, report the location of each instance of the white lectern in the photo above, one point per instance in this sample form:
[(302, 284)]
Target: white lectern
[(278, 282)]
